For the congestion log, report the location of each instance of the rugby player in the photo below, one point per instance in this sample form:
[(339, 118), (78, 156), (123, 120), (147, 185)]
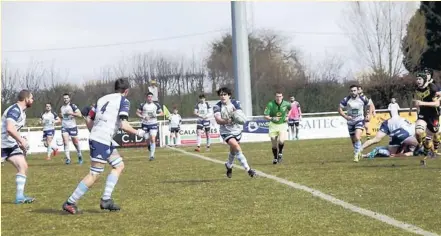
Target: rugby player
[(69, 112), (110, 114), (294, 118), (230, 132), (354, 105), (49, 119), (148, 112), (203, 111)]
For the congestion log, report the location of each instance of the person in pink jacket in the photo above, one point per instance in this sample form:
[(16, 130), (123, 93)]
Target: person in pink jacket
[(294, 118)]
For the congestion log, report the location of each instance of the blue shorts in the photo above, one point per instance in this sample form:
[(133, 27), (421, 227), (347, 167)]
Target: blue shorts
[(354, 126), (398, 136), (73, 132), (150, 129), (203, 124), (227, 137), (100, 152), (12, 151), (49, 133)]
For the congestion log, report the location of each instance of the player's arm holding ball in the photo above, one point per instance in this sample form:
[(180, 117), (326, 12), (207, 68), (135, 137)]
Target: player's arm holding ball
[(218, 116)]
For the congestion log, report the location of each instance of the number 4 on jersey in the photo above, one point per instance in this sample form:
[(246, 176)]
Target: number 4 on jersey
[(103, 108)]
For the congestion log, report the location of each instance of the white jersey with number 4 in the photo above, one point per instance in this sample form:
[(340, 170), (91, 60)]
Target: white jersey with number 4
[(107, 121)]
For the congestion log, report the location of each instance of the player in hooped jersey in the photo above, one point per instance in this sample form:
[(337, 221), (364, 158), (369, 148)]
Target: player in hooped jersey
[(402, 137), (14, 147), (294, 118), (148, 112), (49, 119), (110, 114), (230, 132), (69, 112), (354, 105), (203, 111)]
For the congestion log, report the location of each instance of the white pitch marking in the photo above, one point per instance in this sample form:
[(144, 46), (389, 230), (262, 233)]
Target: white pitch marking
[(375, 215)]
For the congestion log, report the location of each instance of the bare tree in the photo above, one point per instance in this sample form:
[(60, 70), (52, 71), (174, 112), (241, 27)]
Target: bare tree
[(376, 30)]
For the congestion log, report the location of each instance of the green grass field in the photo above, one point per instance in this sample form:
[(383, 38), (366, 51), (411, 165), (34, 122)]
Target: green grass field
[(178, 194)]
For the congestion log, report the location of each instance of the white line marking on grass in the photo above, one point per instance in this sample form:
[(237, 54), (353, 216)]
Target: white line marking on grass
[(375, 215)]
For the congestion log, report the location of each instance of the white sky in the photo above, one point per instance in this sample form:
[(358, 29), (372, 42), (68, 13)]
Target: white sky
[(313, 27)]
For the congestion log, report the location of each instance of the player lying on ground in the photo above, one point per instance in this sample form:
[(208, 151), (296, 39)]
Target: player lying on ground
[(230, 130), (110, 114), (354, 105), (388, 151), (14, 147), (276, 112), (401, 133)]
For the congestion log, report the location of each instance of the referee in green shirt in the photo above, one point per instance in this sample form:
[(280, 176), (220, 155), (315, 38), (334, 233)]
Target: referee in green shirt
[(276, 112)]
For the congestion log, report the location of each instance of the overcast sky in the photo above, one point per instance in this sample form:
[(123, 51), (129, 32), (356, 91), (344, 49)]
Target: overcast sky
[(182, 28)]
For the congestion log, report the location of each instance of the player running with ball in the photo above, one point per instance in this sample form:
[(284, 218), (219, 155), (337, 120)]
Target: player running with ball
[(277, 113), (230, 131)]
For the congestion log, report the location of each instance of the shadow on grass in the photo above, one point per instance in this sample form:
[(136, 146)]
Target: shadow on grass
[(197, 181), (52, 211)]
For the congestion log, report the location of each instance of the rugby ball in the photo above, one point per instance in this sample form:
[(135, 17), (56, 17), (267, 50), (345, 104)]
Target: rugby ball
[(239, 117)]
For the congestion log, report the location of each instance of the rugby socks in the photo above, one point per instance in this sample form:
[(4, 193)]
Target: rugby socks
[(49, 150), (230, 160), (152, 149), (357, 146), (20, 180), (243, 161), (198, 140), (111, 181), (274, 152), (78, 193), (67, 151), (281, 145), (77, 146)]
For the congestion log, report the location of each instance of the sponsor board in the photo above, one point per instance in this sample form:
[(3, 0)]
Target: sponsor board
[(188, 135)]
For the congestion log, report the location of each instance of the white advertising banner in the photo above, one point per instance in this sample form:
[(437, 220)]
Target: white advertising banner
[(36, 144), (254, 131)]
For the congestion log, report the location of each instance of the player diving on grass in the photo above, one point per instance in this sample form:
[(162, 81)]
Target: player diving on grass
[(203, 111), (69, 112), (49, 119), (230, 131), (427, 125), (354, 105), (149, 111), (110, 114), (402, 139), (294, 118), (14, 147), (276, 112)]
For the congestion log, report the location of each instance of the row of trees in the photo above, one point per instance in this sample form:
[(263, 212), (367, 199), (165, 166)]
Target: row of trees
[(380, 33)]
